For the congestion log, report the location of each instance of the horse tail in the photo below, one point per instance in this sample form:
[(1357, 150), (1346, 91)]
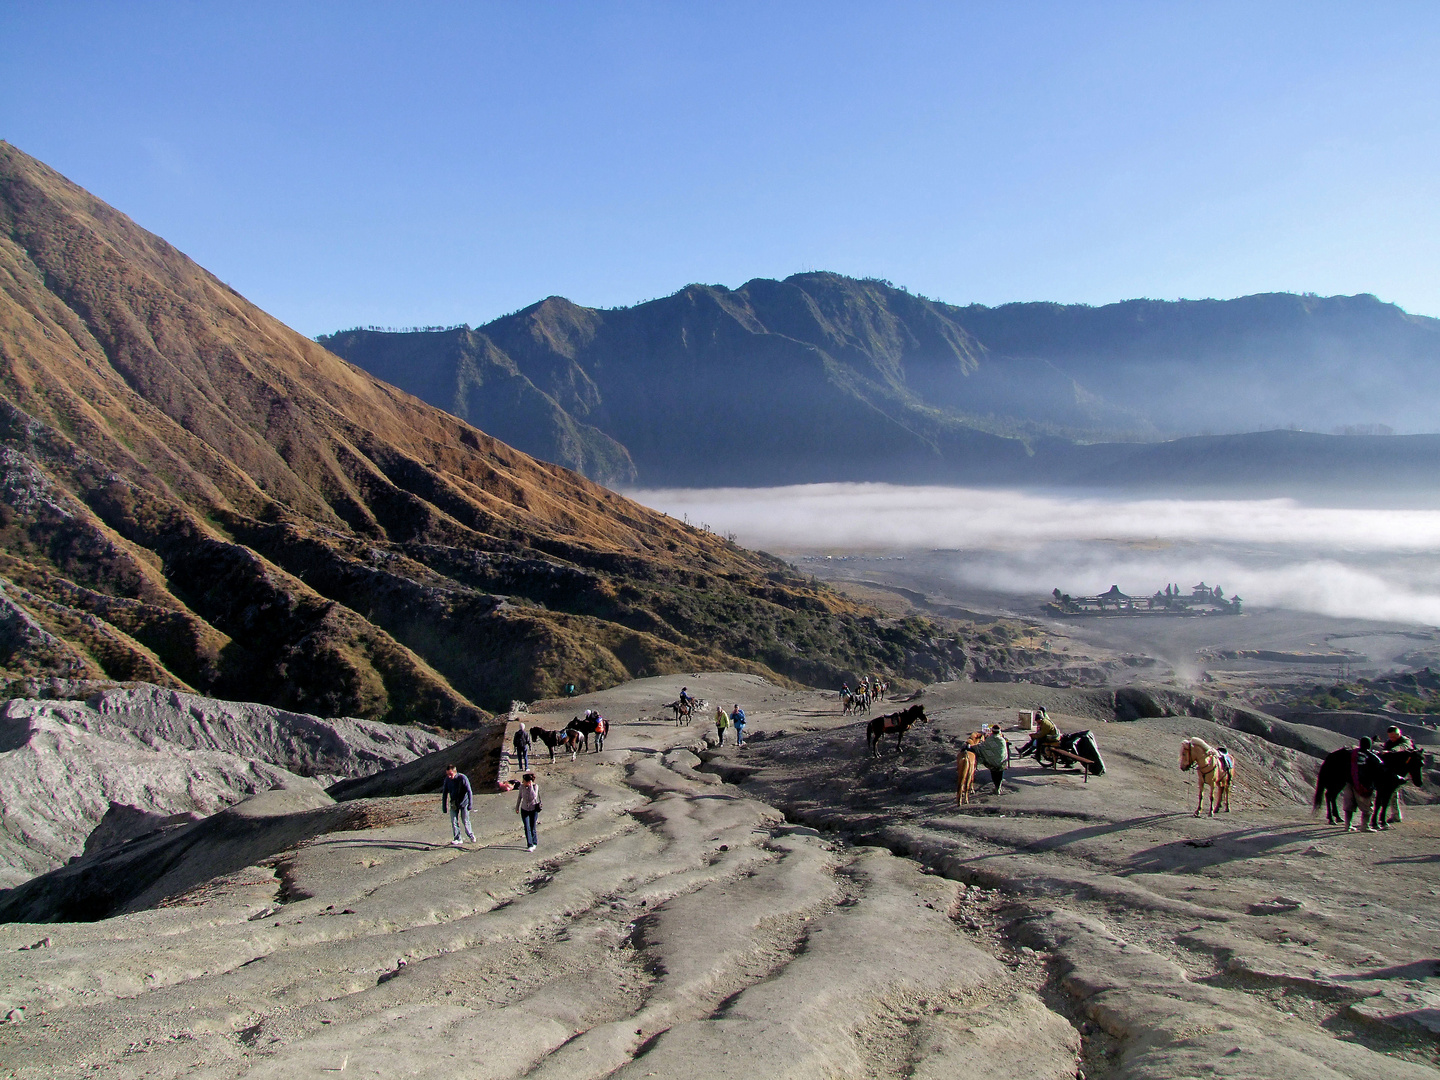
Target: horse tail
[(1319, 791)]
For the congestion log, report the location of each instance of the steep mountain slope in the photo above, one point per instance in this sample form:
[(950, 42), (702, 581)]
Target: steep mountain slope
[(464, 373), (822, 377), (194, 495)]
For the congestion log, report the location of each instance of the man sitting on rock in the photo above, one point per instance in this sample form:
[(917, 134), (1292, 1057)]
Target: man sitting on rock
[(456, 798)]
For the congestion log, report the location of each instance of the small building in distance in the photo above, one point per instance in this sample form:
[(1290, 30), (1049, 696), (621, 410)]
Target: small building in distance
[(1202, 600)]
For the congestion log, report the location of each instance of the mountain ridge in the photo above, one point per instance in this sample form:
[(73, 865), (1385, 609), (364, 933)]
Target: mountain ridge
[(912, 390)]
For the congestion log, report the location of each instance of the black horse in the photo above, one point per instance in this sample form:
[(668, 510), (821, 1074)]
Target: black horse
[(1400, 765), (899, 723), (569, 739), (1384, 780), (588, 726)]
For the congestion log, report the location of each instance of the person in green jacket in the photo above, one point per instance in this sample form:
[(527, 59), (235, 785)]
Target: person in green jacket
[(994, 754), (722, 721)]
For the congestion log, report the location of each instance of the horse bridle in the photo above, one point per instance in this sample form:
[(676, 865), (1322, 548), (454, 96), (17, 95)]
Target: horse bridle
[(1212, 758)]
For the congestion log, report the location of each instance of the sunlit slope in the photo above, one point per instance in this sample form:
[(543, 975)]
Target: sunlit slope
[(196, 495)]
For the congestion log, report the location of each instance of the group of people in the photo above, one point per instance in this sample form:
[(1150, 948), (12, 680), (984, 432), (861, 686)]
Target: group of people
[(723, 721), (457, 799)]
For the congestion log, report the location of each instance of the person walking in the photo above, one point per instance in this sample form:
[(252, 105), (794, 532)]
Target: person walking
[(994, 754), (527, 805), (522, 748), (602, 727), (456, 798), (737, 718), (722, 721)]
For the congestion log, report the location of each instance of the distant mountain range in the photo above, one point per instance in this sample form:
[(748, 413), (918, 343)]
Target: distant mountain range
[(822, 377), (194, 495)]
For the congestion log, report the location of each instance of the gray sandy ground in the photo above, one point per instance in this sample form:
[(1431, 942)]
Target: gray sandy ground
[(823, 915)]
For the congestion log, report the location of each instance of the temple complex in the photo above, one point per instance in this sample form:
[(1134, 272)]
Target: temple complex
[(1171, 600)]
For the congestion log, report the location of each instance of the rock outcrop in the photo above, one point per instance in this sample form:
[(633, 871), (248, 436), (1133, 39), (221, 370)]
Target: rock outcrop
[(78, 776)]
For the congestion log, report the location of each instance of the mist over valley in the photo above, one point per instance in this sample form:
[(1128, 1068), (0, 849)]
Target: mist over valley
[(1307, 574)]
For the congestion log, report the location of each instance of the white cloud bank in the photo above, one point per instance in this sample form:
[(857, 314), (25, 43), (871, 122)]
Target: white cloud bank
[(887, 517), (1369, 563)]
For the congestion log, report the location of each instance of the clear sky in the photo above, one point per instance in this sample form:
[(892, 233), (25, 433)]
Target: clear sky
[(430, 163)]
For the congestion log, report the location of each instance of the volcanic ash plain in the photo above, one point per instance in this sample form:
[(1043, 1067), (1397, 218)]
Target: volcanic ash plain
[(795, 908)]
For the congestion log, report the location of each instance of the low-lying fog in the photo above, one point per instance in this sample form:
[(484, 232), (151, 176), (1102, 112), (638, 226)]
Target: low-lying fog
[(1275, 553)]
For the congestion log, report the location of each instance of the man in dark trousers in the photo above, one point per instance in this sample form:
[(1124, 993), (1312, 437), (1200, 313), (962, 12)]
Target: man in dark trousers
[(456, 798), (522, 748)]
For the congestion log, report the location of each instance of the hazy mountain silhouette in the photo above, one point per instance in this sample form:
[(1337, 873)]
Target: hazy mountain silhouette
[(195, 495), (823, 377)]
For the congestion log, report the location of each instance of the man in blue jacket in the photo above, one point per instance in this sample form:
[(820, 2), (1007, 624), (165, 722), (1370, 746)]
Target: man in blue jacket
[(456, 798)]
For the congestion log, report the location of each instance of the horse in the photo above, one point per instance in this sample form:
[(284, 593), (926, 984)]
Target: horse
[(569, 739), (899, 723), (684, 710), (847, 703), (1212, 773), (967, 762), (1400, 765), (587, 727)]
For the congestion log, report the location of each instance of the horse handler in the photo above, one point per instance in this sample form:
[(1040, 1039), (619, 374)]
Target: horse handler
[(1395, 739), (994, 754)]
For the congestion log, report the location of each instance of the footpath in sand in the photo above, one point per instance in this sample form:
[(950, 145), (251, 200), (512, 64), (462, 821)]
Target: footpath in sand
[(791, 909)]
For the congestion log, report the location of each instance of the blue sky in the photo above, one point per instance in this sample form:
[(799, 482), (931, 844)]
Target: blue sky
[(403, 164)]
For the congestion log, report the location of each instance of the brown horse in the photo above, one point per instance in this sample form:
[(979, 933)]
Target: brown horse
[(966, 764), (1212, 773), (569, 739), (899, 723)]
